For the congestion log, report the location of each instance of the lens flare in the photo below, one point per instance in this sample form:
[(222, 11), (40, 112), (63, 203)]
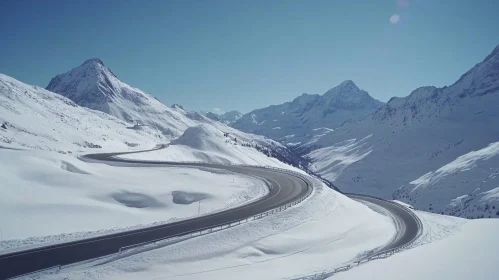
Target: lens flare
[(394, 18)]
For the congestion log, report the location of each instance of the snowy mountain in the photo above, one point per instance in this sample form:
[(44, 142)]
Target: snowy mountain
[(207, 143), (213, 116), (435, 149), (64, 189), (93, 85), (230, 117), (309, 116), (34, 118), (227, 118)]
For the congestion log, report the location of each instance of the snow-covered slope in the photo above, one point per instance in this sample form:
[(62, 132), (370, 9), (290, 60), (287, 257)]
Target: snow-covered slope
[(93, 85), (419, 148), (309, 115), (321, 232), (230, 117), (213, 116), (50, 197), (211, 144), (459, 250), (468, 186), (34, 118), (227, 118)]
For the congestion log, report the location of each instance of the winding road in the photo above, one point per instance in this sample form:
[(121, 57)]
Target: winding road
[(284, 188)]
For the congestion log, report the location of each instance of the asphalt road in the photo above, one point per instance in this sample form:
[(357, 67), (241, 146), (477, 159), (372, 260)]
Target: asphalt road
[(284, 188), (408, 224)]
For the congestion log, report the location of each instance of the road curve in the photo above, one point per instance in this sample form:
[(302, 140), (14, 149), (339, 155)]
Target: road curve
[(283, 189), (409, 225)]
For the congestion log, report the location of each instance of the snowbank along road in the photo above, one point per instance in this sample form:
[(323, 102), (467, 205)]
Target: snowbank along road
[(284, 188), (408, 224)]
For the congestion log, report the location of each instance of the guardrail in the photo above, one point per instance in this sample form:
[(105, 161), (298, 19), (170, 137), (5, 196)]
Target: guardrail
[(211, 229), (215, 228), (198, 232), (326, 273), (383, 254), (204, 231)]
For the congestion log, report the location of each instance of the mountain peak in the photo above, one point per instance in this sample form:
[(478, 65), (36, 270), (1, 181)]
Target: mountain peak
[(346, 87), (347, 83), (93, 61), (227, 117), (94, 65), (307, 115), (480, 80), (348, 96), (95, 86)]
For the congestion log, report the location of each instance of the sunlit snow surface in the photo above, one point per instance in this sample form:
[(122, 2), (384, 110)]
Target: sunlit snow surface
[(207, 144), (453, 248), (51, 197), (34, 118), (325, 230)]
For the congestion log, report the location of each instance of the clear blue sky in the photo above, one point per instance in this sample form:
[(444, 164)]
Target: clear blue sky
[(245, 55)]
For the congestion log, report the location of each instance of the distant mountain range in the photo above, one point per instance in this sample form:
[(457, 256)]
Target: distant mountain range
[(437, 148), (89, 107), (309, 115), (227, 118)]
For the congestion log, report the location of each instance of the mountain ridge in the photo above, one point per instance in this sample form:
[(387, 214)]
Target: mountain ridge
[(300, 119), (436, 149), (226, 118), (94, 86)]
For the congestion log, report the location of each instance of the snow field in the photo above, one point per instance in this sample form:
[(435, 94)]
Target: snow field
[(450, 248), (50, 197), (325, 230), (207, 144), (35, 118)]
